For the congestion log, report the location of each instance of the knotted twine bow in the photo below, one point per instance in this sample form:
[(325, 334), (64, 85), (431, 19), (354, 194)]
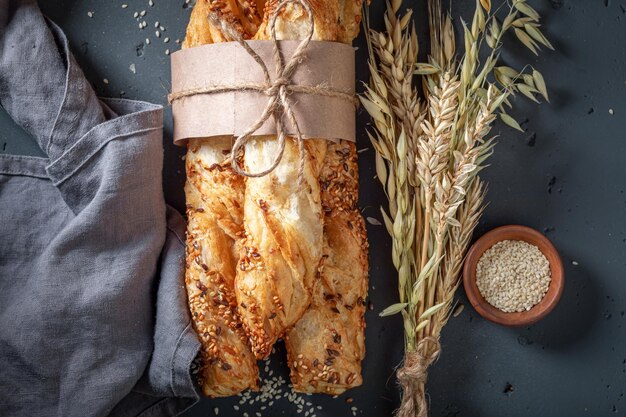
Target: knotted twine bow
[(278, 90), (412, 378)]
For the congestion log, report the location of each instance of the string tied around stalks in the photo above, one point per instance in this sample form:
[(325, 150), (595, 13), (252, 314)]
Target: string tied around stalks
[(278, 90), (412, 378)]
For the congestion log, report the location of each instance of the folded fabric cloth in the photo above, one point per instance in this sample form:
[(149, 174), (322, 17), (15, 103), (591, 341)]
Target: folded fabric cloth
[(93, 315)]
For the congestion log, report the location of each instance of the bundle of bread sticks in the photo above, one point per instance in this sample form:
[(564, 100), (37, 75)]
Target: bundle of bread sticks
[(282, 255)]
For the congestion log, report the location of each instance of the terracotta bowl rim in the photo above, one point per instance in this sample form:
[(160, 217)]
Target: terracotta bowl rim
[(529, 235)]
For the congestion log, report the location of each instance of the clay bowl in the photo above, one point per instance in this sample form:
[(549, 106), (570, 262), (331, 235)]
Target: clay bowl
[(528, 235)]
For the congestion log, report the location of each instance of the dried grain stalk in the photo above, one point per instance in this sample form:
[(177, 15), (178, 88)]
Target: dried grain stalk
[(429, 152)]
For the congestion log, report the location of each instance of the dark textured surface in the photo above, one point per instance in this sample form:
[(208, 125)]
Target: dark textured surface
[(565, 175)]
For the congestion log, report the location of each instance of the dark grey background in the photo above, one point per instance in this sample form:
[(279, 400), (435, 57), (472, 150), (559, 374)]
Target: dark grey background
[(565, 175)]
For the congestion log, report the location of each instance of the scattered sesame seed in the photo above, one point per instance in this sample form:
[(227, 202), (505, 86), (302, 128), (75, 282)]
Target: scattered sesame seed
[(177, 40), (106, 81), (216, 410), (373, 221), (140, 25), (162, 28), (166, 40), (142, 13), (157, 34), (611, 112), (136, 15), (575, 263), (151, 3), (132, 68), (90, 14), (124, 6), (147, 41), (167, 52), (156, 24)]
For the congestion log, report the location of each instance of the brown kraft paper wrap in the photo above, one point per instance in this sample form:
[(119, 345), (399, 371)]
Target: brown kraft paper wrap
[(327, 65)]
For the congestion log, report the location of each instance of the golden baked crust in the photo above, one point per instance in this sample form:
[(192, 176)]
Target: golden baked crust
[(303, 258), (283, 223), (284, 238), (327, 345), (214, 229), (243, 16), (335, 20), (214, 195)]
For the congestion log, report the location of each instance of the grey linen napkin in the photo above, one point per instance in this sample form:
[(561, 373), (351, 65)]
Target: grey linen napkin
[(93, 316)]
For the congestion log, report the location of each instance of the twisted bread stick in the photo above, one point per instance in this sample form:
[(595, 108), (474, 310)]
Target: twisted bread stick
[(215, 227), (327, 345)]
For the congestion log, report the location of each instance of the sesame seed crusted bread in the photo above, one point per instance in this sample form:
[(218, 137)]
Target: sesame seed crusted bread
[(327, 345), (283, 223), (335, 20), (227, 363), (284, 239), (299, 254), (214, 195), (243, 16)]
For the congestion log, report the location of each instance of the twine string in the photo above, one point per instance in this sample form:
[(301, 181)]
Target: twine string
[(412, 378)]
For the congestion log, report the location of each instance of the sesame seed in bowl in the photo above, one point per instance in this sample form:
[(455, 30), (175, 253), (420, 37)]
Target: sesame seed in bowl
[(513, 275)]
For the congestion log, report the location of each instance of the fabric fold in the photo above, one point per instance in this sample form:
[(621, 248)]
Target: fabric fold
[(36, 67), (93, 314), (174, 350), (84, 169)]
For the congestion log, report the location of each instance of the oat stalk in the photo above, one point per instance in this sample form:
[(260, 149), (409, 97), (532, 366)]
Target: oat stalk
[(430, 150)]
